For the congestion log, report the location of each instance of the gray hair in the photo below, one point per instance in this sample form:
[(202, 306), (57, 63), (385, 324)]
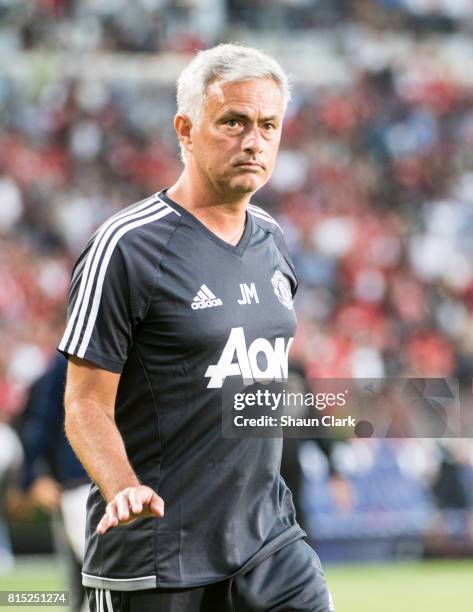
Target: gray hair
[(228, 63)]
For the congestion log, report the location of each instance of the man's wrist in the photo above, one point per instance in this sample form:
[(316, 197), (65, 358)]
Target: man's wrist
[(110, 493)]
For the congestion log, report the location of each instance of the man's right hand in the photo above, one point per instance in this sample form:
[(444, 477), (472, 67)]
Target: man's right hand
[(130, 504)]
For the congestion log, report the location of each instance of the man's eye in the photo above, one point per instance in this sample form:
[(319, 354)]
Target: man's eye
[(232, 122), (269, 126)]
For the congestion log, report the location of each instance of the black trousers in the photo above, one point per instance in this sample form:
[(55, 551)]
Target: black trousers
[(290, 580)]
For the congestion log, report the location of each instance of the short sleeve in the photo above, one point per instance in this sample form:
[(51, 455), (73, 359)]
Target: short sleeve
[(282, 246), (109, 297)]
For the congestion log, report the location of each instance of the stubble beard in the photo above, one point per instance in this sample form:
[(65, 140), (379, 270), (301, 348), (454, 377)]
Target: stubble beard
[(231, 185), (239, 185)]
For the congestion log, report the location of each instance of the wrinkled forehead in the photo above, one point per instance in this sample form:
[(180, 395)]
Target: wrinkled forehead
[(263, 95)]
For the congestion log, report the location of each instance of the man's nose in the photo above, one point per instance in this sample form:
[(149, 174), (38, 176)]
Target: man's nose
[(252, 140)]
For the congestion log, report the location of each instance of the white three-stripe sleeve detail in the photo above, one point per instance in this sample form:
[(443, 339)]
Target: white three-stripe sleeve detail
[(103, 269), (95, 262), (258, 209), (269, 219), (87, 265), (88, 279), (93, 272), (122, 214), (89, 275)]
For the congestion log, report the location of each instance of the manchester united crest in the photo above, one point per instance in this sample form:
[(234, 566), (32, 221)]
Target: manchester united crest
[(282, 289)]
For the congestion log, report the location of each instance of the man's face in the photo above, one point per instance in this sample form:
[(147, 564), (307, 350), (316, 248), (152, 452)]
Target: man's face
[(237, 140)]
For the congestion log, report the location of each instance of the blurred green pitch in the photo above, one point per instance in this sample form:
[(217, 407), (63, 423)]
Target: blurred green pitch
[(430, 586), (434, 586)]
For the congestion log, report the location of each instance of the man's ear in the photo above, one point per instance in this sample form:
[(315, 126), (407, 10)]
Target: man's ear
[(183, 127)]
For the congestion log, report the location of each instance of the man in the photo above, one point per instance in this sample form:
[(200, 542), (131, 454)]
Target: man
[(172, 300), (51, 476)]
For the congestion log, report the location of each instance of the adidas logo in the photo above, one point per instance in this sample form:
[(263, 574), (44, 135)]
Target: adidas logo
[(205, 299)]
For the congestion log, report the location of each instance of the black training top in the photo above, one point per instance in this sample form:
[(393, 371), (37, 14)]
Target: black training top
[(159, 298)]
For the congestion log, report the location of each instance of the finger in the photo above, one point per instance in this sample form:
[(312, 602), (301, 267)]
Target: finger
[(157, 505), (104, 525), (111, 513), (135, 503), (123, 507)]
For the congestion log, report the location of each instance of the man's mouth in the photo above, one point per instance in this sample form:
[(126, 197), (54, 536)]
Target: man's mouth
[(250, 164)]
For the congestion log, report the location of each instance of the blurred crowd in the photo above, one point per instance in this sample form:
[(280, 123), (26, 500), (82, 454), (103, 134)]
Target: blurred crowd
[(150, 26), (375, 186)]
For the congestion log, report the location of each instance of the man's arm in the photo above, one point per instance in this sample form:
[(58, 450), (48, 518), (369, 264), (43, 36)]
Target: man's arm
[(94, 436)]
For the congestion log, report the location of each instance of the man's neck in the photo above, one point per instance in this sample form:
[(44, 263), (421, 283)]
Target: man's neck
[(225, 217)]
